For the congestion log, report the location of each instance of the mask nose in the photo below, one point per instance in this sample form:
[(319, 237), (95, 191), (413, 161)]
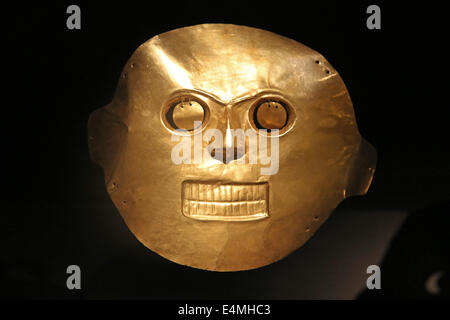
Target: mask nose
[(228, 154)]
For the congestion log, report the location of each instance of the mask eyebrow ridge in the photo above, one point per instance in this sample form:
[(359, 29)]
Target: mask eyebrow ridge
[(231, 102)]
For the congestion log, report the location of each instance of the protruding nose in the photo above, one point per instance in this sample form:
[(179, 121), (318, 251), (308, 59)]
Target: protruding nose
[(230, 151), (226, 155)]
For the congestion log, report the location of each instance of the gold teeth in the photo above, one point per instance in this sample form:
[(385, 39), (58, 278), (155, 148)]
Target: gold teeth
[(225, 202)]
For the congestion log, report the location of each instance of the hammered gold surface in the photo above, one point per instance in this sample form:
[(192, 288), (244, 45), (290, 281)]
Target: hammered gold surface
[(226, 215)]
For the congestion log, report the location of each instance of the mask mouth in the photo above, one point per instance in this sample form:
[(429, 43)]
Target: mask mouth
[(217, 201)]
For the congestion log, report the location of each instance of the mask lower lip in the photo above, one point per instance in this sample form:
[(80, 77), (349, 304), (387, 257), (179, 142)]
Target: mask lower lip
[(225, 202)]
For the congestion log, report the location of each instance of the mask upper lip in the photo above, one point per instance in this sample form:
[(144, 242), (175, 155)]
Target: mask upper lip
[(216, 201)]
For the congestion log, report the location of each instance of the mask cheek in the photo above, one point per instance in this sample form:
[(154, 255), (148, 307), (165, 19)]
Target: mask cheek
[(362, 170)]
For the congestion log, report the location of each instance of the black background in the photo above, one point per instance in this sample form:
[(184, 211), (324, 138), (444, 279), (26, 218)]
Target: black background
[(56, 211)]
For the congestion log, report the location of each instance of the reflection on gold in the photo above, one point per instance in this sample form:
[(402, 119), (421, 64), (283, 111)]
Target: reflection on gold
[(175, 71)]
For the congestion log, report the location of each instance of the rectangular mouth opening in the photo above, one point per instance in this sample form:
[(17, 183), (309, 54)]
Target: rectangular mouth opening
[(224, 202)]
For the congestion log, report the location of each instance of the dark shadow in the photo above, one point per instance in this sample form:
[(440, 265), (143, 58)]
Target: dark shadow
[(416, 265)]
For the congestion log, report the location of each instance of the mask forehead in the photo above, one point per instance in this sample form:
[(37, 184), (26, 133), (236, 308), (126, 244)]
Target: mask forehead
[(226, 61)]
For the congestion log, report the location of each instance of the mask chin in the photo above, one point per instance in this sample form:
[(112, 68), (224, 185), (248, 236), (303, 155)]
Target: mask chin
[(361, 173)]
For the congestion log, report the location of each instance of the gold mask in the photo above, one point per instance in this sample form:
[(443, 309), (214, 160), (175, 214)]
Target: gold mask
[(224, 213)]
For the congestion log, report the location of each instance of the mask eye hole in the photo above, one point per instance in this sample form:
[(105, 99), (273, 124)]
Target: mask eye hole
[(183, 114), (270, 114)]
